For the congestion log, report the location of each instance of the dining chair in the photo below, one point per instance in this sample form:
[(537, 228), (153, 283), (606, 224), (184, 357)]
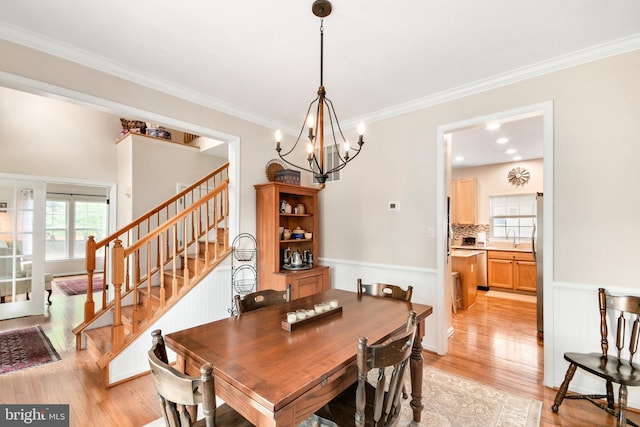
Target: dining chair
[(259, 299), (385, 290), (616, 368), (374, 400), (389, 291), (179, 394)]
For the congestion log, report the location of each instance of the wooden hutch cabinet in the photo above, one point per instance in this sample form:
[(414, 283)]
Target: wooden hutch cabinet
[(272, 246)]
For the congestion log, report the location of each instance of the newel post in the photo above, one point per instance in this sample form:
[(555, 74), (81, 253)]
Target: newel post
[(117, 268), (89, 305)]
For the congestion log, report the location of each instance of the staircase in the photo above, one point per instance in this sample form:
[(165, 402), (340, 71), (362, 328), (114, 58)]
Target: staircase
[(151, 264)]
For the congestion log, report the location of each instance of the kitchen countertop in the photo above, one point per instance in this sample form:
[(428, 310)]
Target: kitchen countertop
[(465, 253), (523, 247)]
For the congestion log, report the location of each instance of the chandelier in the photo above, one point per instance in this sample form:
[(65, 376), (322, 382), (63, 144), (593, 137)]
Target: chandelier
[(323, 108)]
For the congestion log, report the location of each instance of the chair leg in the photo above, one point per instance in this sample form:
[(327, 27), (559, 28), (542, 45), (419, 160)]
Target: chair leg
[(622, 406), (562, 391), (49, 297), (611, 404)]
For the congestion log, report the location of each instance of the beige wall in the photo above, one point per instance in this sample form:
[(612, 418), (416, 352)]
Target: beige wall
[(596, 148), (595, 134), (492, 181), (45, 137)]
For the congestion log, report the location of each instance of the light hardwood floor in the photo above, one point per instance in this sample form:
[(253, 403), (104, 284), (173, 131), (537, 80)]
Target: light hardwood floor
[(495, 343)]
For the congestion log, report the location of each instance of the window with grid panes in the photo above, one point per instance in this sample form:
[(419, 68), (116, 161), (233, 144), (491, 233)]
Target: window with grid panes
[(515, 212)]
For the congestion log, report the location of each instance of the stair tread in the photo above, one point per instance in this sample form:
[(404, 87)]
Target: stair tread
[(100, 338)]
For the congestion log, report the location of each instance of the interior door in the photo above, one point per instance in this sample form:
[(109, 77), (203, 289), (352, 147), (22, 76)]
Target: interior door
[(22, 205)]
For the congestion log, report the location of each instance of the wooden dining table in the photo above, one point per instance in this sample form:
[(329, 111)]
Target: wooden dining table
[(279, 377)]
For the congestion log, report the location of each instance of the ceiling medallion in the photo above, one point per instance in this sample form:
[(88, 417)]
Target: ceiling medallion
[(518, 176)]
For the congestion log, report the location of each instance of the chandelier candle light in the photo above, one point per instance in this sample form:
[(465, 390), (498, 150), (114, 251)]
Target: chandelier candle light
[(316, 146)]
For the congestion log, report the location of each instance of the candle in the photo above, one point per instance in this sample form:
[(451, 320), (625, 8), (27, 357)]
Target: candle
[(360, 133), (326, 306), (310, 151), (333, 303), (311, 313), (301, 313), (318, 308), (278, 137), (310, 125), (291, 317)]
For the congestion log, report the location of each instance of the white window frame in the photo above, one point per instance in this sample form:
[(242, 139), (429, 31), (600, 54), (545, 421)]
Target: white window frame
[(71, 200), (517, 211)]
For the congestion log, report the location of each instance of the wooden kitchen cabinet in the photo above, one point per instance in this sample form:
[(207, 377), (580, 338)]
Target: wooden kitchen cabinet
[(467, 267), (511, 270), (464, 209), (271, 247)]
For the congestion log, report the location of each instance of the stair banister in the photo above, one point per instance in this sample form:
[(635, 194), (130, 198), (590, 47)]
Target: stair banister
[(126, 235)]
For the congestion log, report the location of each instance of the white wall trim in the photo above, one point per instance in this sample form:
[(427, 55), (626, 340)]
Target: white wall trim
[(377, 265)]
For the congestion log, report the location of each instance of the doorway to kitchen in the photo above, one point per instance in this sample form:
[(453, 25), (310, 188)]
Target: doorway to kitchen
[(492, 162)]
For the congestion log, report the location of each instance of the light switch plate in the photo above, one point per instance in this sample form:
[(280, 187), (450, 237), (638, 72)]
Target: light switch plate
[(394, 206)]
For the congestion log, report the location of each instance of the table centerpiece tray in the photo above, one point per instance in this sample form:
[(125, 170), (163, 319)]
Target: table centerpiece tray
[(302, 322)]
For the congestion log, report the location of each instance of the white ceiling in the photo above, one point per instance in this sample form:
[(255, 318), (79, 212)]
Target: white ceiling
[(260, 60), (479, 146)]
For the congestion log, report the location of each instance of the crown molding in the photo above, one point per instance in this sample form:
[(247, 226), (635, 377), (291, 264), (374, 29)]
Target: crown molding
[(573, 59), (99, 63)]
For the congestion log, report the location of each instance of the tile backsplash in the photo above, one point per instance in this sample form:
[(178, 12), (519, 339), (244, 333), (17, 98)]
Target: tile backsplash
[(460, 231)]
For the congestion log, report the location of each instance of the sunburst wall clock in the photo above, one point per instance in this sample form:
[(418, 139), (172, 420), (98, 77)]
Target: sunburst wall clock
[(518, 176)]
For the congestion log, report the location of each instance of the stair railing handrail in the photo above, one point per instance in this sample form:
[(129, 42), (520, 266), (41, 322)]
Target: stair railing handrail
[(175, 219), (92, 247), (162, 206), (121, 254)]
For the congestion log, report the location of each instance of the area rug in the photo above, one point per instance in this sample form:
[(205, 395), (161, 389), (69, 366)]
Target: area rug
[(25, 348), (512, 296), (453, 401), (78, 286)]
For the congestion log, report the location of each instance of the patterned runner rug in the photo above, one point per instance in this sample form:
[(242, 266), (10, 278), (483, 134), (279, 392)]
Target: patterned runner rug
[(25, 348), (78, 286)]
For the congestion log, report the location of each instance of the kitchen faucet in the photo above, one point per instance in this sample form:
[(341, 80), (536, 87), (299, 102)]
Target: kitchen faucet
[(514, 236)]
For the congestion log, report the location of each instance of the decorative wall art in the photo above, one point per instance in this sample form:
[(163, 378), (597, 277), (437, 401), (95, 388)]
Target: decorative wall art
[(518, 176)]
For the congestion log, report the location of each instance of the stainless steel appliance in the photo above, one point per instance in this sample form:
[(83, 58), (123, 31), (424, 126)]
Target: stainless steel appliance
[(536, 248)]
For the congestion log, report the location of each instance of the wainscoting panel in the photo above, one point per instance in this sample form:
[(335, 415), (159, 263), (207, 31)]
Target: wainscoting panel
[(344, 275), (207, 302)]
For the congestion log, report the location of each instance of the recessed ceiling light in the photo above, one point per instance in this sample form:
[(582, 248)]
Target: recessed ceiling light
[(516, 158), (493, 126), (511, 151), (502, 140), (459, 158)]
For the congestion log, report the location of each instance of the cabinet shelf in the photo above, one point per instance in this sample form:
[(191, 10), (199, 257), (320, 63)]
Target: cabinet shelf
[(298, 215), (296, 240)]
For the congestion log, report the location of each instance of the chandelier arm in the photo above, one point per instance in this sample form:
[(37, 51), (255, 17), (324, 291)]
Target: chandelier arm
[(295, 166), (300, 134)]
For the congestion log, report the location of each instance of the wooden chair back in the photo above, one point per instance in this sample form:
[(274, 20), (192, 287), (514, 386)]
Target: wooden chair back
[(259, 299), (385, 290), (393, 353), (178, 392), (622, 309)]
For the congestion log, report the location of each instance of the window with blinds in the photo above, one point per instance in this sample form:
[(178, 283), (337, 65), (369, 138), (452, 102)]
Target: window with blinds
[(512, 212)]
